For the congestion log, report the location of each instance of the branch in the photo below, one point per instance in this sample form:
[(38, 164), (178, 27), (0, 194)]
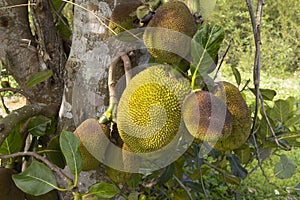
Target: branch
[(17, 116), (53, 167), (17, 90)]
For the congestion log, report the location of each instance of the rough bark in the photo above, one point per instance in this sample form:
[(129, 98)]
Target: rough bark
[(24, 56)]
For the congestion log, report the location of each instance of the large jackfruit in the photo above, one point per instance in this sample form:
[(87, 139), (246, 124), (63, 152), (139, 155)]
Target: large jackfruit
[(206, 117), (123, 16), (87, 133), (168, 34), (241, 117), (149, 111)]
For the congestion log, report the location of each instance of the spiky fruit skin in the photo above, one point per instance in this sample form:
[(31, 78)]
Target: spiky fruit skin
[(169, 32), (206, 117), (241, 116), (149, 111), (122, 16), (8, 189), (85, 132)]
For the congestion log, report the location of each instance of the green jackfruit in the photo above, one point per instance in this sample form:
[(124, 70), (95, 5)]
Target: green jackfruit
[(86, 133), (168, 34), (149, 111), (206, 117), (241, 116), (123, 16)]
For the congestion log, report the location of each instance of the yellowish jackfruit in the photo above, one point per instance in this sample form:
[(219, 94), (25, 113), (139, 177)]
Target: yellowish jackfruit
[(241, 116), (206, 117), (149, 111), (168, 34), (123, 16), (86, 133)]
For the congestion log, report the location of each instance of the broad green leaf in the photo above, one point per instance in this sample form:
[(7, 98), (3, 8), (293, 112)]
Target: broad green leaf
[(281, 111), (38, 125), (292, 121), (13, 142), (193, 5), (237, 75), (103, 190), (236, 167), (168, 173), (194, 186), (134, 196), (204, 48), (69, 145), (229, 178), (267, 94), (36, 180), (285, 168), (54, 153), (207, 7), (142, 11), (39, 77), (244, 154)]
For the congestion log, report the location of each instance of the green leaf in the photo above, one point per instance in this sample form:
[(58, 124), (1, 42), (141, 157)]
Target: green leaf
[(236, 167), (13, 142), (237, 75), (39, 77), (54, 153), (281, 111), (204, 48), (167, 175), (244, 154), (142, 11), (298, 189), (38, 125), (103, 190), (36, 180), (207, 7), (69, 145), (229, 178), (267, 94), (285, 168)]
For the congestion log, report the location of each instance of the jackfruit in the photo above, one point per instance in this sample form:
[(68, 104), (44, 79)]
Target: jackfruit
[(206, 117), (116, 158), (87, 133), (8, 189), (149, 110), (123, 16), (168, 34), (241, 116)]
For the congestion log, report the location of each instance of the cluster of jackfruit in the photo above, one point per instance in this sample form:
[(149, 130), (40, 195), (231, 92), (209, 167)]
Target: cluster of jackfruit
[(222, 119)]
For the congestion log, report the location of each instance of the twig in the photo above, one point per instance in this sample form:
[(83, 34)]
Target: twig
[(202, 183), (270, 126), (53, 167), (185, 189), (110, 113), (17, 90), (223, 58), (127, 67), (4, 105)]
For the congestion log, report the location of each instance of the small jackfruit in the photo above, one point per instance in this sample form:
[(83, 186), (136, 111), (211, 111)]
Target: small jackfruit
[(86, 133), (168, 34), (123, 16), (241, 116), (149, 111), (206, 117)]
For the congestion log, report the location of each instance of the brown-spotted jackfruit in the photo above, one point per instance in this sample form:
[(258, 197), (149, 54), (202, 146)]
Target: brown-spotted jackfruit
[(149, 111), (168, 34), (206, 117), (241, 116), (87, 133), (123, 16)]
